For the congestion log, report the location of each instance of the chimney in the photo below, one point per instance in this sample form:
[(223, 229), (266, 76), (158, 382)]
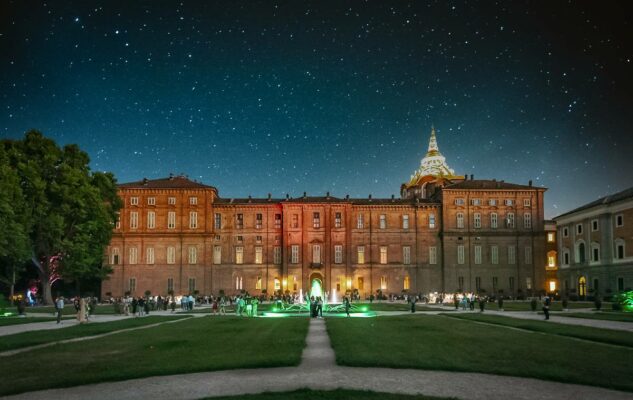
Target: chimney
[(530, 182), (171, 176), (269, 196), (327, 195), (347, 197), (472, 177), (287, 197), (466, 177), (369, 196), (249, 198), (393, 197), (305, 195), (145, 181)]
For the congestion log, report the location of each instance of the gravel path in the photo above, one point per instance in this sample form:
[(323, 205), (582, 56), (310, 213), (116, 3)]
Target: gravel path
[(319, 371)]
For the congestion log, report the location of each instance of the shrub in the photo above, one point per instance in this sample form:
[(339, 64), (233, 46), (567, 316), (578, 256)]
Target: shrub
[(565, 304), (500, 301), (533, 304), (598, 303)]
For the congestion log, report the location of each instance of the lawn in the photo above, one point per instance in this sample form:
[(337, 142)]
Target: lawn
[(339, 394), (607, 316), (609, 336), (6, 321), (69, 309), (525, 305), (198, 344), (26, 339), (443, 343)]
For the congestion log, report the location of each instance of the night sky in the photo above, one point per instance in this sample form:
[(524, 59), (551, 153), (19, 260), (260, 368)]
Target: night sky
[(287, 97)]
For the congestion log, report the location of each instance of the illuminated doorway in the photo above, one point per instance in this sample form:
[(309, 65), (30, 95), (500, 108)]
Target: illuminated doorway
[(582, 286)]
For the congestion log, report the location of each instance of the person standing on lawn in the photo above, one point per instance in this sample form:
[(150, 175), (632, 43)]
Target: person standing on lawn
[(347, 305), (59, 305), (546, 303)]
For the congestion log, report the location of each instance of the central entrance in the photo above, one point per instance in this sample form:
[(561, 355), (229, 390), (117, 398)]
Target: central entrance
[(316, 285)]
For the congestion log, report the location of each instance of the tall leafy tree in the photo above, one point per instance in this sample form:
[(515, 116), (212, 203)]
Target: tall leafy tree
[(71, 210)]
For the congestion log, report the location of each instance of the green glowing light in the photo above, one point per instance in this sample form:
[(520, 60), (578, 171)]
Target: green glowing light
[(316, 289), (364, 309)]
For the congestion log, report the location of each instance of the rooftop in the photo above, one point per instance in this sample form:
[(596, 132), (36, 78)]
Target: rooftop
[(171, 182), (612, 198), (487, 184)]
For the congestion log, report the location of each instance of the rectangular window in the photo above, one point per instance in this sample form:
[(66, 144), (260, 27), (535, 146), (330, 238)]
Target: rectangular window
[(383, 283), (512, 254), (492, 202), (619, 250), (239, 238), (460, 220), (511, 283), (361, 254), (406, 255), (316, 220), (277, 221), (117, 224), (478, 284), (528, 255), (460, 254), (217, 221), (337, 220), (551, 259), (459, 202), (151, 220), (193, 255), (475, 202), (432, 221), (360, 223), (565, 257), (217, 238), (277, 284), (432, 255), (527, 221), (171, 220), (383, 254), (551, 236), (510, 220), (277, 255), (620, 284), (294, 254), (361, 283), (494, 220), (407, 283), (133, 220), (295, 221), (171, 201), (526, 202), (134, 201), (494, 254), (192, 285), (258, 239), (239, 255), (258, 283), (115, 256), (477, 220), (565, 232), (460, 283), (132, 285), (193, 201), (509, 202), (338, 254), (217, 254), (383, 221), (193, 220), (528, 283), (405, 222), (316, 254), (594, 225), (133, 255), (619, 220), (595, 253), (170, 285), (238, 283), (477, 254), (259, 219), (495, 283), (151, 201), (259, 255), (149, 255), (171, 255), (239, 221), (579, 229)]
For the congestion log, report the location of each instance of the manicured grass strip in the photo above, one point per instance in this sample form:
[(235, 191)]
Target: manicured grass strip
[(194, 345), (21, 320), (515, 305), (339, 394), (27, 339), (69, 309), (606, 316), (609, 336), (443, 343)]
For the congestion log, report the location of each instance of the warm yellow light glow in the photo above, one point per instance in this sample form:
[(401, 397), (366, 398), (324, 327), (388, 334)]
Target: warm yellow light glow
[(552, 286), (285, 282), (349, 283), (550, 237)]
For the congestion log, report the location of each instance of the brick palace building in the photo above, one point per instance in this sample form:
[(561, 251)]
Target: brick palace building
[(445, 233)]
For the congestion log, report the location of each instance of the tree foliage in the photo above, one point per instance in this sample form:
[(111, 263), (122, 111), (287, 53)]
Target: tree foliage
[(69, 210)]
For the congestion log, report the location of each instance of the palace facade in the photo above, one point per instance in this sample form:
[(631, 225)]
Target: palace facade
[(445, 233)]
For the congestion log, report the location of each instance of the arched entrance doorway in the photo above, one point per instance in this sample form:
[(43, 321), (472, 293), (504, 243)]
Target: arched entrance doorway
[(582, 286), (316, 285)]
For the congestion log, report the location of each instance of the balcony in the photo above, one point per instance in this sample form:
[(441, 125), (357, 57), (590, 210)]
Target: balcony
[(316, 265)]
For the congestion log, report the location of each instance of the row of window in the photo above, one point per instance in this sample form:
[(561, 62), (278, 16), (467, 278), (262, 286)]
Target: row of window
[(580, 251), (170, 285), (595, 225), (151, 201), (494, 254), (491, 202), (494, 220), (171, 220), (494, 282)]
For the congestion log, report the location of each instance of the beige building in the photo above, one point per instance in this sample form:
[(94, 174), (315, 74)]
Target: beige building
[(445, 233)]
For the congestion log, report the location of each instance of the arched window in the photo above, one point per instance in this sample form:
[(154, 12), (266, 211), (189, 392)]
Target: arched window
[(551, 259), (580, 252), (620, 252), (582, 286)]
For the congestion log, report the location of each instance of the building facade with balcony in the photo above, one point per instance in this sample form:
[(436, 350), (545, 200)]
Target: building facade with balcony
[(445, 233), (594, 247)]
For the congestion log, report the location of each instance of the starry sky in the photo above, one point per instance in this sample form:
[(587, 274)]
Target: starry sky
[(286, 97)]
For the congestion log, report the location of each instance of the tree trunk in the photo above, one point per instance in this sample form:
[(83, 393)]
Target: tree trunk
[(12, 288), (42, 272), (47, 295)]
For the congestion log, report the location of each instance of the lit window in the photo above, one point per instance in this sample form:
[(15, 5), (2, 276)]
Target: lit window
[(552, 286), (171, 201), (259, 221), (133, 220), (337, 220), (258, 283), (338, 254), (460, 220), (383, 283), (134, 201), (193, 219), (432, 221), (316, 254), (149, 255), (171, 220), (383, 254), (277, 284), (551, 237), (477, 220), (361, 254), (407, 283), (193, 255), (405, 222), (360, 224), (193, 200), (259, 255), (171, 255), (133, 259), (217, 254), (294, 254), (238, 283), (406, 255), (151, 220), (316, 220), (383, 221), (551, 259), (239, 255)]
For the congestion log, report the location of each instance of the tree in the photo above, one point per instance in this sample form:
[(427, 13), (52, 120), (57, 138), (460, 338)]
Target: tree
[(14, 241), (71, 210)]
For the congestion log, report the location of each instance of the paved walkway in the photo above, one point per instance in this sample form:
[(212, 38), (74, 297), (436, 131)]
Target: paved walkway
[(319, 371)]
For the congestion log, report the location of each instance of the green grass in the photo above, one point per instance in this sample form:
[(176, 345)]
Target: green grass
[(69, 309), (339, 394), (609, 336), (606, 316), (27, 339), (525, 305), (443, 343), (6, 321), (198, 344)]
